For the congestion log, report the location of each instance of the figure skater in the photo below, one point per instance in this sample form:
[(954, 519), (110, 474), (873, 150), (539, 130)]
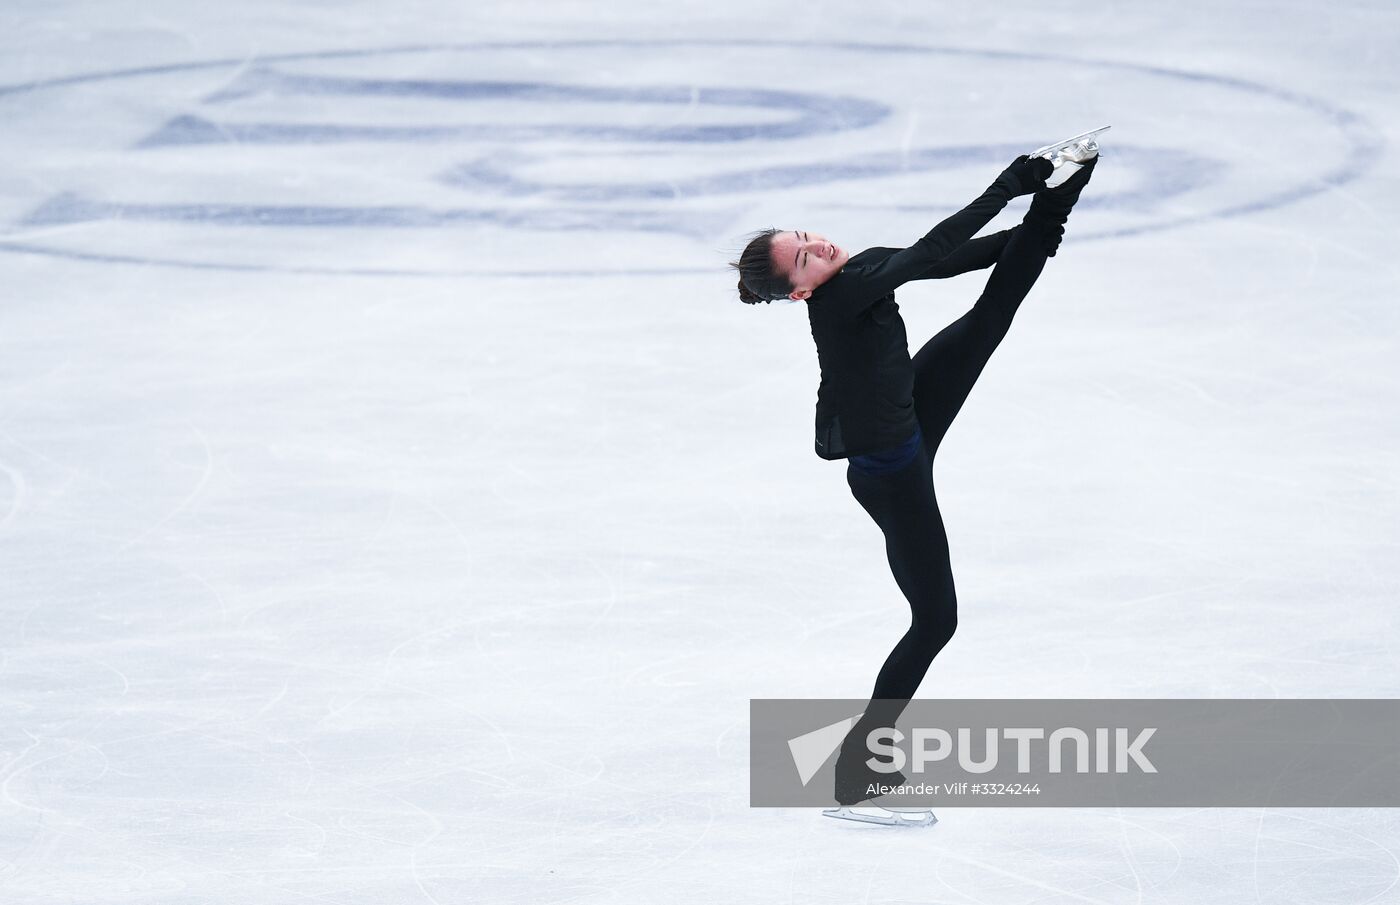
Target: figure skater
[(885, 414)]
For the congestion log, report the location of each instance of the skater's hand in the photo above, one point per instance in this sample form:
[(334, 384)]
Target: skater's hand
[(1026, 175)]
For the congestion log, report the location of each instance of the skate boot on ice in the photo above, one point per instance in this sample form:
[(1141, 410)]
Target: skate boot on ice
[(856, 782), (884, 816), (855, 779)]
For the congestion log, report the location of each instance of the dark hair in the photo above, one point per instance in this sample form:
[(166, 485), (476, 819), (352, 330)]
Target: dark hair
[(758, 280)]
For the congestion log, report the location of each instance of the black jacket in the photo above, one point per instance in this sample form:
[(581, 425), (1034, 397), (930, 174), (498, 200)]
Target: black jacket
[(866, 399)]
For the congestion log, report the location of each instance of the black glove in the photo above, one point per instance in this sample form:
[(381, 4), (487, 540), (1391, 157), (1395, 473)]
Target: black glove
[(1026, 175)]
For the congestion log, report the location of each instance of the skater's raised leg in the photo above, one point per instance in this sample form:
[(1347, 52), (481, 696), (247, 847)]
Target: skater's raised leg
[(948, 365)]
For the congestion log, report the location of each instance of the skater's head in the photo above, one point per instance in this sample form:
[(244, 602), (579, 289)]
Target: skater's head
[(786, 264), (758, 279)]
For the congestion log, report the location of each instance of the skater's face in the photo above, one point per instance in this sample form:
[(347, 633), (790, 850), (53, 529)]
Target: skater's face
[(807, 260)]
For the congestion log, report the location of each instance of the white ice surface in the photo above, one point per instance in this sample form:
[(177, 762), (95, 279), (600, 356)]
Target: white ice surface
[(431, 552)]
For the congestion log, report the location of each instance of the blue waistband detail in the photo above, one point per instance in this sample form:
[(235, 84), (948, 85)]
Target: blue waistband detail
[(888, 460)]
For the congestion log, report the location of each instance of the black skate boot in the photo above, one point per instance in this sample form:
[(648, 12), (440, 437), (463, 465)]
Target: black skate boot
[(855, 780)]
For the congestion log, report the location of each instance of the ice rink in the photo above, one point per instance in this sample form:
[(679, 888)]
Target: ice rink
[(397, 505)]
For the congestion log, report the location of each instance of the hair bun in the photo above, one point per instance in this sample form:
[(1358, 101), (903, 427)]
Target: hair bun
[(758, 281), (747, 295)]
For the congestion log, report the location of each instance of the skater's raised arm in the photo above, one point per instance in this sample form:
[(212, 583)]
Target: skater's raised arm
[(796, 264), (974, 254), (1023, 177)]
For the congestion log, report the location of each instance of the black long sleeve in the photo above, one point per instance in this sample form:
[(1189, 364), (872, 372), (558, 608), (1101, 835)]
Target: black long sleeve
[(974, 254), (858, 285), (956, 230), (865, 400)]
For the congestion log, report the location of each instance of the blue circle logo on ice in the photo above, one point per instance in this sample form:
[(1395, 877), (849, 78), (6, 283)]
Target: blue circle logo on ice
[(456, 160)]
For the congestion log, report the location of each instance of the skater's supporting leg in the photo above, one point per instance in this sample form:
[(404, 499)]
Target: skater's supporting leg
[(904, 506), (916, 545)]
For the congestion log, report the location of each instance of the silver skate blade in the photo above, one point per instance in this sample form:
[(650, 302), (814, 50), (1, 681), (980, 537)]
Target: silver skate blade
[(1050, 150), (884, 816)]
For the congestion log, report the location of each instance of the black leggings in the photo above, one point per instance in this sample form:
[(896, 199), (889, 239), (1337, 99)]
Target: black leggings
[(902, 503)]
